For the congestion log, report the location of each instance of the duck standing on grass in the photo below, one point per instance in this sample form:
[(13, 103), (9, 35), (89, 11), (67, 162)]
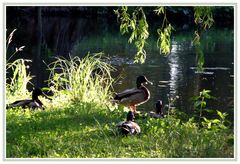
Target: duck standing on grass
[(30, 103), (128, 127), (136, 96), (159, 111)]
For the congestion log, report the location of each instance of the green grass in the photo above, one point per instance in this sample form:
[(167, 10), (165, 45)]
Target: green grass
[(17, 75), (17, 86), (84, 130), (87, 79)]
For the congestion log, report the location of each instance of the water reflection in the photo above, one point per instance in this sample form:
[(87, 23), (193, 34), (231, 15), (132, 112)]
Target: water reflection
[(175, 71)]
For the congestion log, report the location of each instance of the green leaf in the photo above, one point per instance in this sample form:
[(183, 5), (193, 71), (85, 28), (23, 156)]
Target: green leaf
[(205, 119), (205, 93), (220, 114), (197, 104), (160, 10), (203, 103), (222, 126), (209, 125), (215, 121), (209, 110)]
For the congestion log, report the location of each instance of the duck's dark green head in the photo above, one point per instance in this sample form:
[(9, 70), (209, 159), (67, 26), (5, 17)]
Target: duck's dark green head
[(130, 116), (142, 79), (159, 106)]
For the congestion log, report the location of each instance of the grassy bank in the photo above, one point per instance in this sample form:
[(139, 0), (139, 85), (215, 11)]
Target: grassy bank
[(83, 130), (80, 121)]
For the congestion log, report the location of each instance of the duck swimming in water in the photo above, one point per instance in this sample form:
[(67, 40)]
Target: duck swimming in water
[(136, 96), (30, 103), (128, 127)]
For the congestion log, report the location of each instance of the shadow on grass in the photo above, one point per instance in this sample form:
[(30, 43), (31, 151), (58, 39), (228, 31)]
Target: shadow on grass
[(78, 117)]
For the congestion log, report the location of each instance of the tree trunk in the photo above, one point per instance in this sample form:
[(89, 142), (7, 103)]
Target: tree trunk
[(37, 59)]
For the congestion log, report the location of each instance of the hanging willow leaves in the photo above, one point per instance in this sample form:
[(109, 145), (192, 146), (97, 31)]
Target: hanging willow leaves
[(124, 19), (135, 24), (159, 10), (203, 18), (164, 33), (164, 39), (142, 34)]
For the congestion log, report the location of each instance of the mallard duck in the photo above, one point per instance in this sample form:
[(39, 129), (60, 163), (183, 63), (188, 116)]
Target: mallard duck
[(128, 127), (135, 96), (33, 103), (159, 111)]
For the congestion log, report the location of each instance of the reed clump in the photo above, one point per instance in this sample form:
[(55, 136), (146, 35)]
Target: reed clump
[(86, 80), (16, 72), (17, 82)]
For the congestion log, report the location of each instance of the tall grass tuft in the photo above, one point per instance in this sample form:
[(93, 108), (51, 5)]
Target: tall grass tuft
[(17, 82), (17, 76), (87, 80)]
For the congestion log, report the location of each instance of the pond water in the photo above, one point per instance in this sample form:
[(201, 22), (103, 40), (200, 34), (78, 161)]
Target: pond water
[(174, 74)]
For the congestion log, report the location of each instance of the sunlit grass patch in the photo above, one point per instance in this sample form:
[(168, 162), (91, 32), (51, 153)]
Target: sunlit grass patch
[(86, 80), (16, 86)]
